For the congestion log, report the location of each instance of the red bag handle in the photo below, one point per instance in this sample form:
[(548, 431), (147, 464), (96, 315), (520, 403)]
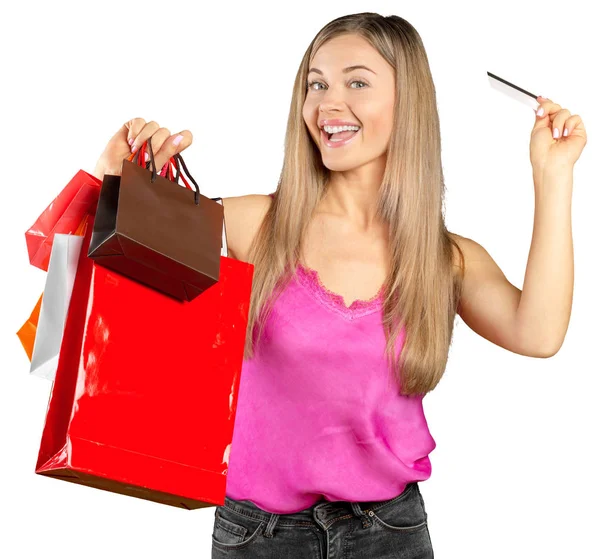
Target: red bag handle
[(177, 159), (173, 161), (133, 156), (168, 166)]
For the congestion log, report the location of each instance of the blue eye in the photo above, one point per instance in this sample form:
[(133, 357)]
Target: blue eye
[(310, 84)]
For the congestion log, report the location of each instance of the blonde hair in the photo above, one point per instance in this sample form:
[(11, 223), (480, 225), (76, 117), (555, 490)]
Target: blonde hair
[(422, 289)]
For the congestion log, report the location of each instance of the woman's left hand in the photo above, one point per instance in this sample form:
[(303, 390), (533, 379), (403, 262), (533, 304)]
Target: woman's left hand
[(549, 148)]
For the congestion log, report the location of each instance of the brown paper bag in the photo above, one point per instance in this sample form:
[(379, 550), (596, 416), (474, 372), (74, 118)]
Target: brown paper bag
[(152, 230)]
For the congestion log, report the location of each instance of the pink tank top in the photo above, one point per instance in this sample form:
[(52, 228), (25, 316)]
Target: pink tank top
[(319, 415)]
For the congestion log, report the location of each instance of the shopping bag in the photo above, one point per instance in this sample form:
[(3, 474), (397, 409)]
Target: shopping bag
[(55, 303), (63, 215), (27, 332), (150, 229), (145, 395)]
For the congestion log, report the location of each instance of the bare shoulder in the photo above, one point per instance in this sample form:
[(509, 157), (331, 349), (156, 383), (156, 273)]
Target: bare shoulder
[(464, 243), (472, 251), (243, 217), (478, 263)]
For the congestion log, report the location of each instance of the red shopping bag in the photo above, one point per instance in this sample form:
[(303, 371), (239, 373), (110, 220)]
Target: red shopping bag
[(63, 215), (145, 394)]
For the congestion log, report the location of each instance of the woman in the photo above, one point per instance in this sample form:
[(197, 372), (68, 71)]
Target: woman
[(353, 262)]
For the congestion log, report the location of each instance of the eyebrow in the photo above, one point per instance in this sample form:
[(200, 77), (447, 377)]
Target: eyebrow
[(345, 70)]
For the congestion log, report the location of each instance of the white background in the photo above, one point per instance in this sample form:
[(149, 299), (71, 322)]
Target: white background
[(515, 468)]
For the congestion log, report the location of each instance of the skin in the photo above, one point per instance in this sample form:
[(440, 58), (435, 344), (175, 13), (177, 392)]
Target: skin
[(346, 244), (131, 136), (360, 96)]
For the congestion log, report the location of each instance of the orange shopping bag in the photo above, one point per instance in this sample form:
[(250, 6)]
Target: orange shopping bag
[(27, 332)]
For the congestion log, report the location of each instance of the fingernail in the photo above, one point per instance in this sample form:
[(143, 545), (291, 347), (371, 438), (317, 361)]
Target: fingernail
[(146, 157), (566, 132), (177, 140), (133, 148), (556, 133), (130, 141), (540, 111)]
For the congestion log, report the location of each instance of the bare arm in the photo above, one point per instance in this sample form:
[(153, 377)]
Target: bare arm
[(545, 307), (243, 217)]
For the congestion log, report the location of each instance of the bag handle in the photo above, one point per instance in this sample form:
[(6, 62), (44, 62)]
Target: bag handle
[(162, 173), (172, 162), (135, 156), (175, 159)]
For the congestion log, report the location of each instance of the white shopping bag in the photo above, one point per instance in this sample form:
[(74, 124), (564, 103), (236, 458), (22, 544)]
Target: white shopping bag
[(55, 304), (224, 238)]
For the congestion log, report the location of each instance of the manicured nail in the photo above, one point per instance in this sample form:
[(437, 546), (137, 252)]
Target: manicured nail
[(177, 140), (556, 134), (146, 157), (540, 111), (566, 132), (133, 148), (130, 141)]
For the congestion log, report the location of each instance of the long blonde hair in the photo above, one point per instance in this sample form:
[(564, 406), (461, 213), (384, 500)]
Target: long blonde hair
[(423, 287)]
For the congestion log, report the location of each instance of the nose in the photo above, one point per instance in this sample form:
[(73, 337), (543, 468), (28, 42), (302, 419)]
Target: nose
[(332, 99)]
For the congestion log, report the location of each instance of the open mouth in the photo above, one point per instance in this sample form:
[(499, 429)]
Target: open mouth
[(338, 138)]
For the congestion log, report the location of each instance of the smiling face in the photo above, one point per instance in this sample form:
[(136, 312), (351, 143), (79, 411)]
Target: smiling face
[(361, 96)]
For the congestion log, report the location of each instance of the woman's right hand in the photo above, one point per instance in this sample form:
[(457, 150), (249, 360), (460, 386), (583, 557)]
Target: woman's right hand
[(135, 132)]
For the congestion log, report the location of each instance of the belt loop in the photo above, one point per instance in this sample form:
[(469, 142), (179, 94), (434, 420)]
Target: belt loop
[(366, 521), (268, 533)]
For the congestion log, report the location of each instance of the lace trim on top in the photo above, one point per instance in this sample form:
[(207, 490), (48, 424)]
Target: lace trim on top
[(310, 278)]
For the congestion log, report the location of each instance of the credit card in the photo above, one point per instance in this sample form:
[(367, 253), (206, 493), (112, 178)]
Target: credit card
[(514, 91)]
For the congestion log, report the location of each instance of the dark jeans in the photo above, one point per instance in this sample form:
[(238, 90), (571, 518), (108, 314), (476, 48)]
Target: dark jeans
[(396, 528)]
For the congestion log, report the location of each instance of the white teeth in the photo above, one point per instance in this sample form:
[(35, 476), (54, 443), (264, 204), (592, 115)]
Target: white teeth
[(334, 129)]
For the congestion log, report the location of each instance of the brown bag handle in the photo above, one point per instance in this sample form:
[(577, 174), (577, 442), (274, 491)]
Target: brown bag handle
[(176, 158)]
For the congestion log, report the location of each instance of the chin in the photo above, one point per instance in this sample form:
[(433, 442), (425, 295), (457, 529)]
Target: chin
[(339, 165)]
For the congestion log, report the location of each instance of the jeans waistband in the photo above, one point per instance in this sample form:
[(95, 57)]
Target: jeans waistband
[(324, 511)]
